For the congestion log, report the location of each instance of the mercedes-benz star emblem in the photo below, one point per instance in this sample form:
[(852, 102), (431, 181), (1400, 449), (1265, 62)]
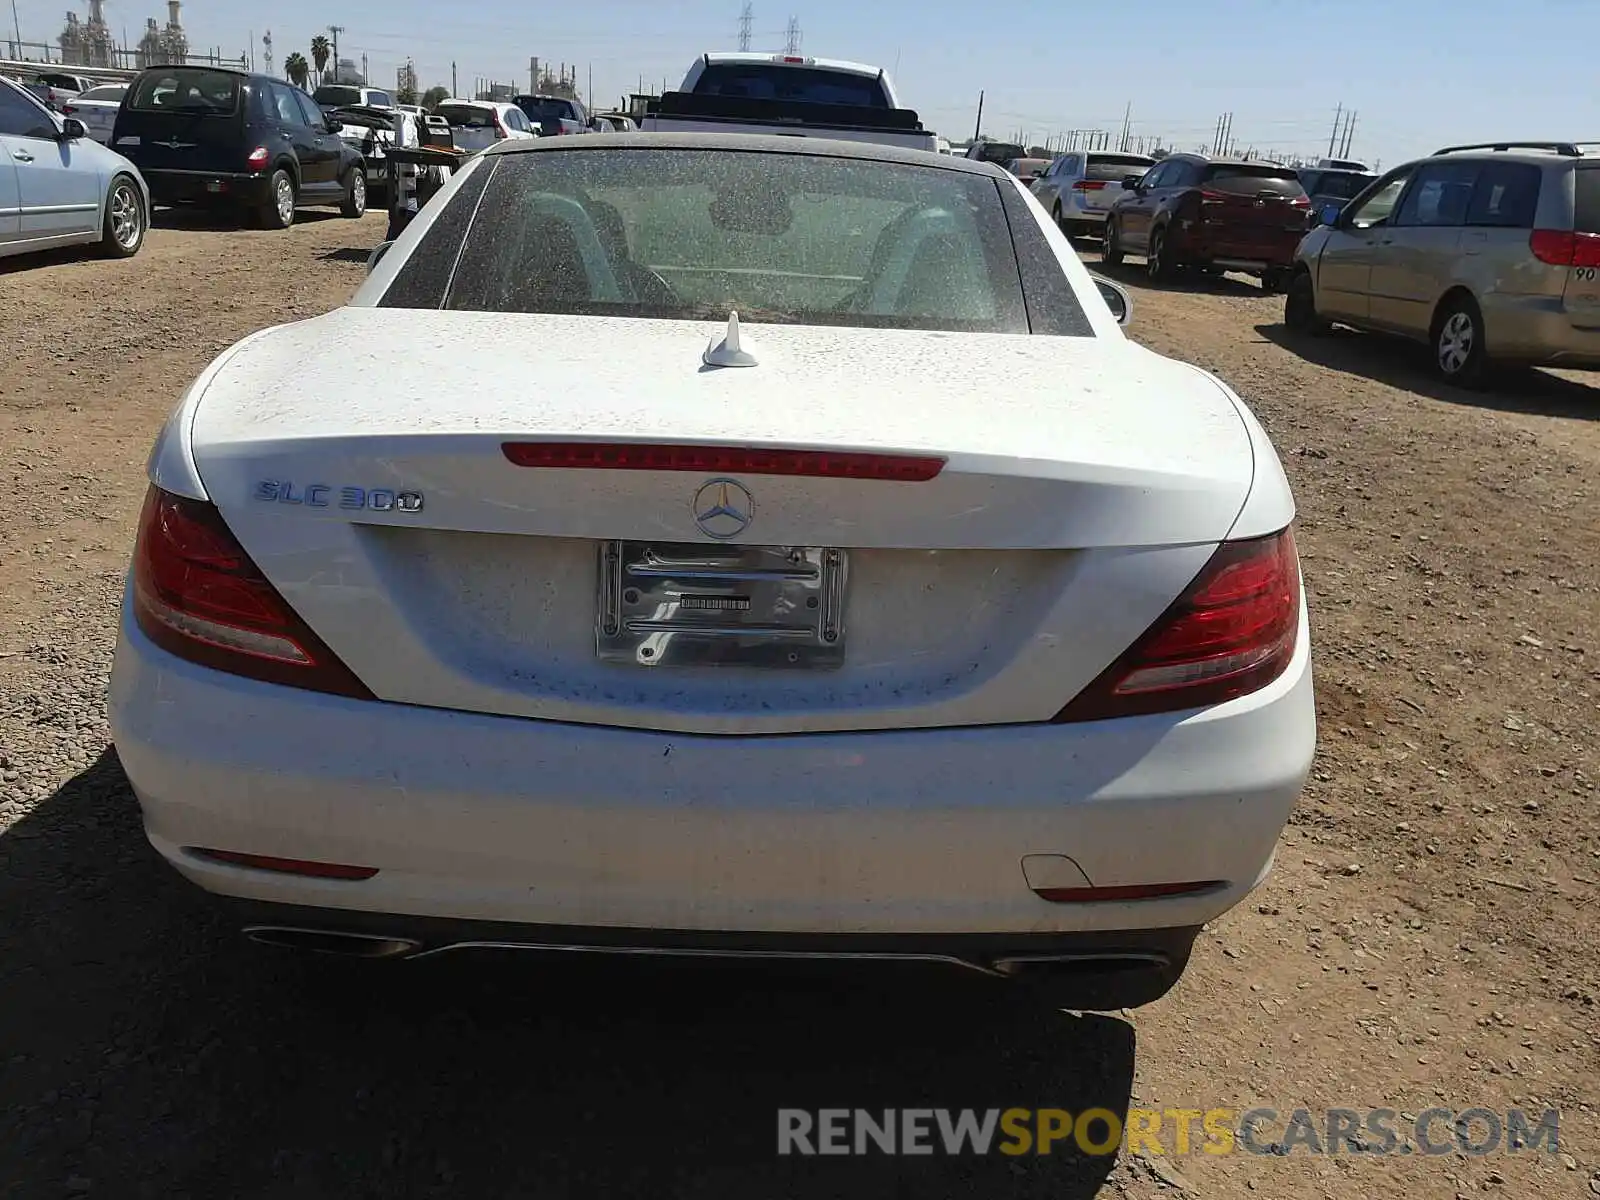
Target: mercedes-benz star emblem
[(723, 508)]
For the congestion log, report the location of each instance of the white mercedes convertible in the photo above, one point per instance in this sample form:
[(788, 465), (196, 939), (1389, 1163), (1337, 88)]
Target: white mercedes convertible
[(699, 581)]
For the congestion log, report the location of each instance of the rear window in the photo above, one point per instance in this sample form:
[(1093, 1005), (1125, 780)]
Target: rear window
[(1587, 182), (780, 238), (803, 85), (999, 152), (1114, 168), (1252, 179), (1343, 185), (110, 92), (540, 109), (466, 116), (186, 90), (336, 96)]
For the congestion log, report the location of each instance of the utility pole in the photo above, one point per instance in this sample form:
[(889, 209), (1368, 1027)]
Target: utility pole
[(1333, 137), (588, 96), (453, 91), (1349, 135), (745, 17), (977, 128), (16, 27), (1127, 115), (336, 30)]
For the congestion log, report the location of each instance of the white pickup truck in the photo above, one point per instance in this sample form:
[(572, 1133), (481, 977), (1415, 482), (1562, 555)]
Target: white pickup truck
[(744, 92)]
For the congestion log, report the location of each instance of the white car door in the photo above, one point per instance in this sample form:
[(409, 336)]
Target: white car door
[(59, 187)]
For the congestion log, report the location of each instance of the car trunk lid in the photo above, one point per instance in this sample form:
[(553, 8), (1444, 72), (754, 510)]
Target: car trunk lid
[(696, 594)]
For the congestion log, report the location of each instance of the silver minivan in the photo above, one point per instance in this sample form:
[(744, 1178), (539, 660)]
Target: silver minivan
[(1489, 254), (1081, 187)]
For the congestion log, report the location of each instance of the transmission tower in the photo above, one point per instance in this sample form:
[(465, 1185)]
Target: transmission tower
[(266, 51), (791, 37), (745, 17)]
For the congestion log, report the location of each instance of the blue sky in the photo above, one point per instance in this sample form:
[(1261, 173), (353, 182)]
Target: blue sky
[(1419, 73)]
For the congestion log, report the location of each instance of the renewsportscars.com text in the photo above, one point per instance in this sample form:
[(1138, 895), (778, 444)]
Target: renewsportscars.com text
[(1178, 1131)]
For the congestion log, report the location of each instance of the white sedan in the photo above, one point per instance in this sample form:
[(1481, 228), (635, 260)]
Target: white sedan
[(649, 627), (97, 109)]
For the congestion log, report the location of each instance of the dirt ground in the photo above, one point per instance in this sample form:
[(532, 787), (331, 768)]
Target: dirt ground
[(1428, 938)]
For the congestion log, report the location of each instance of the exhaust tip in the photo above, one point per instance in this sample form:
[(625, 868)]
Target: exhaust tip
[(332, 941)]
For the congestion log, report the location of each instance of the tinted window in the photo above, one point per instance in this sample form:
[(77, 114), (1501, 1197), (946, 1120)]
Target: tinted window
[(381, 99), (1440, 195), (1251, 179), (1344, 185), (281, 106), (999, 152), (1114, 168), (1162, 175), (310, 114), (769, 81), (1506, 195), (336, 95), (20, 117), (784, 238), (111, 92), (542, 108), (1586, 179), (186, 90)]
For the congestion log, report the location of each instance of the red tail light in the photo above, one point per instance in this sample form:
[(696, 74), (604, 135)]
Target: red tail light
[(257, 159), (1561, 248), (1301, 202), (1088, 185), (500, 131), (68, 109), (285, 866), (1207, 196), (197, 595), (625, 456), (1232, 632)]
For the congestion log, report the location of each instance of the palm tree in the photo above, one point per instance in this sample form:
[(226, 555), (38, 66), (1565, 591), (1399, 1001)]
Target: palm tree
[(320, 49), (297, 69)]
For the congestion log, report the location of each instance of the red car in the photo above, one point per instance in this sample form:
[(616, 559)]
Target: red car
[(1215, 214)]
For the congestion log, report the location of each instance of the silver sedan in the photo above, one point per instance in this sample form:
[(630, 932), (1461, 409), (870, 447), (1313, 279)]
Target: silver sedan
[(58, 187)]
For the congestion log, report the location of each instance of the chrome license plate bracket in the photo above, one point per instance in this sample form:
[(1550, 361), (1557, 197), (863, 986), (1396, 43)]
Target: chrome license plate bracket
[(675, 605)]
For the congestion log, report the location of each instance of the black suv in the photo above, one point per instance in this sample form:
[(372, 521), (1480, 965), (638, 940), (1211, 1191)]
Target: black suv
[(204, 135)]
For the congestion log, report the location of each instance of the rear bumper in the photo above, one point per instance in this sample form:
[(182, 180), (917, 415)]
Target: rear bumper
[(1243, 250), (935, 833), (1075, 207), (1538, 330), (187, 187)]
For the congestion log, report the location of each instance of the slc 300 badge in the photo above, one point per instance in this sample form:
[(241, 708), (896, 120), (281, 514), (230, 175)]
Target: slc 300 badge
[(322, 495)]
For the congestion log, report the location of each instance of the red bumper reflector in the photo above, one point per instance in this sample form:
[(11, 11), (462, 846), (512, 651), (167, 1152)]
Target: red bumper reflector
[(629, 456), (284, 866), (1131, 891)]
